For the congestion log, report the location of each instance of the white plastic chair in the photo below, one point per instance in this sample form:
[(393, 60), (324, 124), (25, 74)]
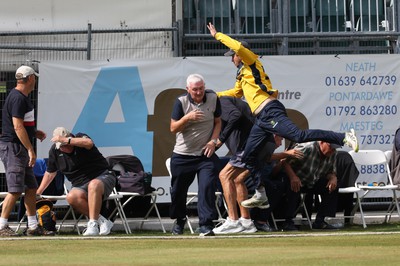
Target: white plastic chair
[(355, 190), (192, 196), (371, 159)]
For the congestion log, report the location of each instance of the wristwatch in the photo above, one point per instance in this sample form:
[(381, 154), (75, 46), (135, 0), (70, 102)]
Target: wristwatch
[(215, 141), (69, 140)]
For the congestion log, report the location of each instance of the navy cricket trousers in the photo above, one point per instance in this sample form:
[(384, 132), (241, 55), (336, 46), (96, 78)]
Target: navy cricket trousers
[(184, 169)]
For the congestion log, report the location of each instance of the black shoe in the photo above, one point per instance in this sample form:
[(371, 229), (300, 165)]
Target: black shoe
[(323, 225), (178, 227), (263, 227), (289, 226), (206, 230)]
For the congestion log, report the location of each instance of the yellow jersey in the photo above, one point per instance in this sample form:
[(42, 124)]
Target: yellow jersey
[(251, 80)]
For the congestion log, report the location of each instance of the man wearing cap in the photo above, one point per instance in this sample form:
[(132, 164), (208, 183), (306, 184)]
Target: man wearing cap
[(17, 152), (314, 173), (254, 84), (81, 162)]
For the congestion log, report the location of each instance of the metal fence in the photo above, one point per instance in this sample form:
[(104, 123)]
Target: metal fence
[(292, 27), (289, 16)]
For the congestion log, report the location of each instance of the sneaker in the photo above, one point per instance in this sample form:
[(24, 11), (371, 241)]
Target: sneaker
[(323, 225), (255, 202), (248, 226), (92, 229), (229, 227), (263, 227), (105, 226), (351, 140), (178, 227), (8, 232), (206, 230), (39, 231)]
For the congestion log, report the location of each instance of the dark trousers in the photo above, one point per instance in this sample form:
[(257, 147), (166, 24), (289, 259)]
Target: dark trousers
[(184, 169), (347, 174), (327, 206), (273, 119)]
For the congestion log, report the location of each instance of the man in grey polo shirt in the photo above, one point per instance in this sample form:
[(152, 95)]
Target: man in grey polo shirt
[(196, 122)]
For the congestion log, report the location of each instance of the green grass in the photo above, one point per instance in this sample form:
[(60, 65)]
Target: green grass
[(376, 245)]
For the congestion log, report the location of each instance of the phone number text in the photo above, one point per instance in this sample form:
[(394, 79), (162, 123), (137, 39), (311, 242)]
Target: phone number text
[(377, 139), (350, 110), (363, 81)]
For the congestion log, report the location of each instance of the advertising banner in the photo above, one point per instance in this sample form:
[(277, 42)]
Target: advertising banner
[(125, 106)]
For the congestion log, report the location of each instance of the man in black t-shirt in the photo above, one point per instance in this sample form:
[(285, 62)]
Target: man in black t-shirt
[(81, 162), (17, 152)]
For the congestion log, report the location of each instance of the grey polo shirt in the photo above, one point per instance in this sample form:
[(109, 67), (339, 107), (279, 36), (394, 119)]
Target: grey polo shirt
[(196, 134)]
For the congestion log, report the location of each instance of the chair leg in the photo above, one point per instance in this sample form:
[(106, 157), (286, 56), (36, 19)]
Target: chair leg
[(273, 220), (122, 215), (361, 211), (189, 224), (20, 222), (153, 206)]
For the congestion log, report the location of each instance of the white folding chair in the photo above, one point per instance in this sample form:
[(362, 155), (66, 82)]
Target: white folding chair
[(118, 210), (61, 203), (192, 196), (354, 190), (371, 161), (153, 205), (131, 195)]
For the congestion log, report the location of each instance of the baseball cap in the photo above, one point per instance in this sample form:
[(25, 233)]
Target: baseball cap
[(334, 146), (232, 52), (63, 132), (25, 71)]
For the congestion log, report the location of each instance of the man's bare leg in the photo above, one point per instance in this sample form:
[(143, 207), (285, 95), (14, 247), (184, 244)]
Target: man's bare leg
[(242, 193), (227, 177)]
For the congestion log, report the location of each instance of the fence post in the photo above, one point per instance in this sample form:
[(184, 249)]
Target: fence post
[(89, 42)]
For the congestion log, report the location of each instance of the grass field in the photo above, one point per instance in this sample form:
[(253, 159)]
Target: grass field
[(377, 245)]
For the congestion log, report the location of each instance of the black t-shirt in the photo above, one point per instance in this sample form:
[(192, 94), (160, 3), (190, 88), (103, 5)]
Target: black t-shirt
[(80, 166), (17, 105)]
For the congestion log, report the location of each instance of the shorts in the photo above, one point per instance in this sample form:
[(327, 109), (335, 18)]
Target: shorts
[(19, 175), (109, 180)]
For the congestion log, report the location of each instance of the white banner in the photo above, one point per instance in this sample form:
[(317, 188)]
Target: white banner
[(125, 105)]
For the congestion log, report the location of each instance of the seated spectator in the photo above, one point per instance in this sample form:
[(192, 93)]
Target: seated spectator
[(80, 161), (315, 173), (347, 174)]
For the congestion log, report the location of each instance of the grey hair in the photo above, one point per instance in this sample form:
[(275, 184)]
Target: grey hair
[(193, 78)]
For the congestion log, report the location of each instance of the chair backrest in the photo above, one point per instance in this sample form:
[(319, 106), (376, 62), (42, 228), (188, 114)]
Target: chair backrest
[(168, 165), (388, 155), (368, 157), (373, 163), (193, 186)]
